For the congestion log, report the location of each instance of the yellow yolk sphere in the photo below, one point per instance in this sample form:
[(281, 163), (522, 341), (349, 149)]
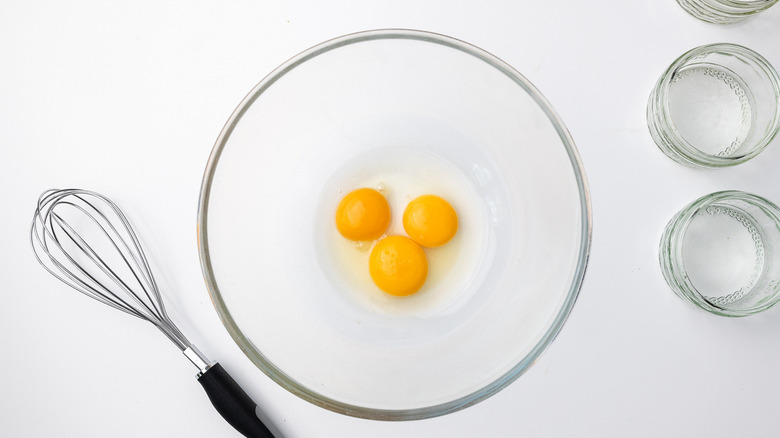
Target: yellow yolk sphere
[(430, 221), (363, 215), (398, 265)]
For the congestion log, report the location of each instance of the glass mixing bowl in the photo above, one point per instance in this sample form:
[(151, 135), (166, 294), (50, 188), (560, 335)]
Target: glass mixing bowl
[(445, 117)]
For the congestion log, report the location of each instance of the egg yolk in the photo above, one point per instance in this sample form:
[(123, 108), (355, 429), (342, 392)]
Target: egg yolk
[(363, 215), (398, 265), (430, 221)]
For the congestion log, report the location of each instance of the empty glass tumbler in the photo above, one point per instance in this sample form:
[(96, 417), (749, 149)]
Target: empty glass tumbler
[(724, 11), (717, 105), (722, 253)]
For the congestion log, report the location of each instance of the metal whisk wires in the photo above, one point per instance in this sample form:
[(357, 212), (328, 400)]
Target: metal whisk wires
[(85, 240)]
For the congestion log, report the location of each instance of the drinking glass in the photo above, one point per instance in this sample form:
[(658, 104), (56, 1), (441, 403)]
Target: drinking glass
[(722, 253), (715, 106), (724, 11)]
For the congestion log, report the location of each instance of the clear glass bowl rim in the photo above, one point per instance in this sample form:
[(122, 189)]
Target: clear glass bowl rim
[(308, 394)]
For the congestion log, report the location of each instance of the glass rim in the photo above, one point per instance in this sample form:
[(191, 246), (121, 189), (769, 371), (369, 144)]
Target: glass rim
[(673, 237), (719, 14), (663, 114), (752, 4), (301, 390)]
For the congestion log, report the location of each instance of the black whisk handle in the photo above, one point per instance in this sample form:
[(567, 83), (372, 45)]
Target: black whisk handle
[(233, 403)]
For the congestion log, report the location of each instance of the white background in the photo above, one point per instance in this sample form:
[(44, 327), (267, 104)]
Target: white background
[(127, 99)]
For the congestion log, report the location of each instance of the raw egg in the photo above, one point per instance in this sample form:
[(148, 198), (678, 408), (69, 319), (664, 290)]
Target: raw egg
[(363, 214), (430, 221), (398, 265), (401, 175)]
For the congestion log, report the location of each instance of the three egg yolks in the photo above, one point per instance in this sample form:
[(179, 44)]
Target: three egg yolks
[(397, 264)]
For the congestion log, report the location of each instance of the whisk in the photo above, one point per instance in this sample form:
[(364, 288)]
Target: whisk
[(83, 238)]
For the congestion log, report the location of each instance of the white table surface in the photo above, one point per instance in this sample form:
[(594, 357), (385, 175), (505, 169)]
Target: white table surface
[(128, 98)]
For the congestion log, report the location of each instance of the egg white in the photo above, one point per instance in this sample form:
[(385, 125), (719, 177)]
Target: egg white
[(402, 174)]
